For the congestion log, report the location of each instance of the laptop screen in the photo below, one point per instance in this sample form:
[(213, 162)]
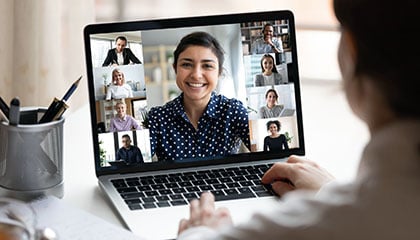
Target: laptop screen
[(139, 119)]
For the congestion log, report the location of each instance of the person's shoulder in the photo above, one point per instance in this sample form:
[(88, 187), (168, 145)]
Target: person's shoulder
[(229, 104), (127, 50), (167, 107), (224, 100)]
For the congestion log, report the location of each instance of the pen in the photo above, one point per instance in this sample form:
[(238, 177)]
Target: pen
[(4, 108), (14, 113), (57, 107)]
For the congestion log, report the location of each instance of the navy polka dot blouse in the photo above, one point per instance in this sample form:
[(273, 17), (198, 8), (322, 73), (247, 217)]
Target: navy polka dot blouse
[(221, 129)]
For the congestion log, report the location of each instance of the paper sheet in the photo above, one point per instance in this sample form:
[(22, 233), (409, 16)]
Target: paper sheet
[(75, 224)]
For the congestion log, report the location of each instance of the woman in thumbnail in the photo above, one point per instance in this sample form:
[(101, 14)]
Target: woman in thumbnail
[(120, 55), (271, 109), (269, 75), (118, 89), (198, 123), (275, 141)]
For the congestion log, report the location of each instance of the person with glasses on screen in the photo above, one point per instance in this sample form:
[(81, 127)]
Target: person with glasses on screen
[(120, 55), (382, 202), (199, 123), (128, 153)]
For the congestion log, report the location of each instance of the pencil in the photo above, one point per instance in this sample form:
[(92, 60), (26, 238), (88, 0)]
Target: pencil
[(71, 89), (57, 107)]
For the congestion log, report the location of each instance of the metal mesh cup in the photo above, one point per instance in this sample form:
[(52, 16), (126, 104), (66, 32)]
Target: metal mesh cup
[(31, 157)]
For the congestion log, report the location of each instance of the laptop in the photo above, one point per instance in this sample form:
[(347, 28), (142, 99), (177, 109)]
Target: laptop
[(152, 195)]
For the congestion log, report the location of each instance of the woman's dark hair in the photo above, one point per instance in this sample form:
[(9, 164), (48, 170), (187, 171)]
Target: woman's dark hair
[(202, 39), (274, 69), (387, 48), (277, 122), (273, 91)]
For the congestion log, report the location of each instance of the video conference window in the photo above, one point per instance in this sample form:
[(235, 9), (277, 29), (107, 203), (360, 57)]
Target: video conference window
[(255, 73)]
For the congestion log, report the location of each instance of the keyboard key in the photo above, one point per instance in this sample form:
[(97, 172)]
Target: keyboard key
[(176, 197), (147, 181), (163, 204), (225, 180), (135, 206), (185, 184), (148, 199), (198, 182), (172, 185), (133, 183), (192, 189), (219, 186), (132, 195), (206, 188), (230, 191), (218, 193), (190, 196), (157, 186), (244, 190), (165, 191), (232, 185), (246, 183), (162, 198), (238, 178), (132, 201), (252, 177), (120, 183), (179, 202), (151, 193), (144, 188), (212, 181), (161, 180), (148, 205), (264, 194), (127, 190), (234, 196), (179, 190)]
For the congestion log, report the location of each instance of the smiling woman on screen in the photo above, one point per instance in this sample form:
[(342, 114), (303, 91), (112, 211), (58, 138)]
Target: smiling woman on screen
[(198, 123)]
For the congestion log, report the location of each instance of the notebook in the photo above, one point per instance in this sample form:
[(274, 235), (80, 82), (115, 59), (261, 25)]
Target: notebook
[(149, 193)]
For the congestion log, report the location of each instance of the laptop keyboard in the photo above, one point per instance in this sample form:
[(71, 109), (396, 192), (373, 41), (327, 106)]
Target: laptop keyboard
[(179, 188)]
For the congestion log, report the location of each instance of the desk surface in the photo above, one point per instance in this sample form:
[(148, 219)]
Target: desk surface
[(334, 138)]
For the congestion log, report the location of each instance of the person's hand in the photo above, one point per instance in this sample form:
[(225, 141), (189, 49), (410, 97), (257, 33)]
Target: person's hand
[(296, 173), (203, 213), (269, 41)]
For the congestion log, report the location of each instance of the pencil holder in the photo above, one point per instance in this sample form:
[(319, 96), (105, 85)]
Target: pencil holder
[(31, 157)]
